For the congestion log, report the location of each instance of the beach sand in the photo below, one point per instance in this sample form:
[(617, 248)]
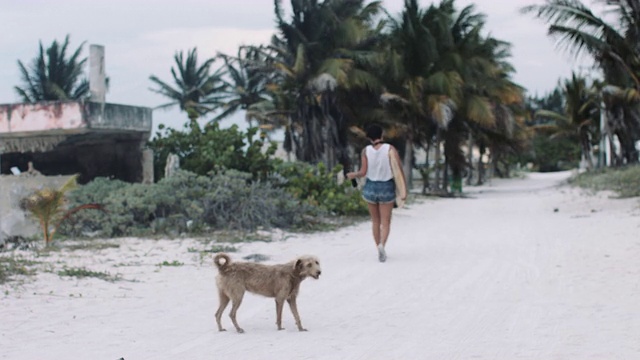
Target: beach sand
[(519, 269)]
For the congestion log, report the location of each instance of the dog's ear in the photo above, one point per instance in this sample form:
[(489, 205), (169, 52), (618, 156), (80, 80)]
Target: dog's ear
[(298, 265)]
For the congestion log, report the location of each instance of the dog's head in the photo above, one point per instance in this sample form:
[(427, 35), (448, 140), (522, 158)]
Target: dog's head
[(308, 266)]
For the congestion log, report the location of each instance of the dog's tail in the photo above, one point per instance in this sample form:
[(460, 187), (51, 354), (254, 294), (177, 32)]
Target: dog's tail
[(222, 266)]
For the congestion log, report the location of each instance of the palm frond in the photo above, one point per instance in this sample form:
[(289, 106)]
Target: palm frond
[(53, 76), (479, 110)]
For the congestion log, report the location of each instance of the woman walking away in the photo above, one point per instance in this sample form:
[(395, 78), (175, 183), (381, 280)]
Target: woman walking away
[(379, 190)]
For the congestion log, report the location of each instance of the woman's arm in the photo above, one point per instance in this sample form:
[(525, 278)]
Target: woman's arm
[(363, 168)]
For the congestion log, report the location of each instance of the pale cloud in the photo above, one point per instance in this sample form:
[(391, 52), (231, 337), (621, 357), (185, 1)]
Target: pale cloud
[(209, 40), (153, 54)]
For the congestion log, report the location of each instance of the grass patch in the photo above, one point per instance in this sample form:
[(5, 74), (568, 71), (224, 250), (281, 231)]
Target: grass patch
[(92, 246), (173, 263), (11, 266), (624, 181), (327, 224), (86, 273), (235, 237), (215, 249)]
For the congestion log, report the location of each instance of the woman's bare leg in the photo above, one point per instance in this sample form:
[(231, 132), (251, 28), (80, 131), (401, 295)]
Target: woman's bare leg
[(374, 211), (385, 221)]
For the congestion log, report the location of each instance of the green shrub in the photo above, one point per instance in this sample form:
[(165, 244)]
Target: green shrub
[(549, 155), (188, 202), (95, 192), (317, 186), (211, 148)]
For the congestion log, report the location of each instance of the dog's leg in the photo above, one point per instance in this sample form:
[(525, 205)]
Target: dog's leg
[(224, 300), (235, 304), (294, 309), (279, 306)]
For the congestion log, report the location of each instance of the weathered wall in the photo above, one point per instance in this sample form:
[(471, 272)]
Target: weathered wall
[(22, 119), (71, 117), (13, 221), (116, 117)]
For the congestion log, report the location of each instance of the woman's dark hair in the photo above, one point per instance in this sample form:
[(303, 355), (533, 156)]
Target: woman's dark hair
[(374, 132)]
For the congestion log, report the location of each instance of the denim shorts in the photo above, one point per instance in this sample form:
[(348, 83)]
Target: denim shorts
[(379, 192)]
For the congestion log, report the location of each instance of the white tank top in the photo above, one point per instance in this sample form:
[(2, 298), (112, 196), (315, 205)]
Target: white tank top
[(378, 165)]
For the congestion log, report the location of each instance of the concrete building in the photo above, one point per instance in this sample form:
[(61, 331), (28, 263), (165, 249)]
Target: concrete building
[(92, 137)]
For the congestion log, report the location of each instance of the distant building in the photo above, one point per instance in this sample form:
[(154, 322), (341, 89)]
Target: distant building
[(91, 138)]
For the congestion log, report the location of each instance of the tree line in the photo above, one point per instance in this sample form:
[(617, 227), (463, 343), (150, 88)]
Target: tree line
[(431, 75)]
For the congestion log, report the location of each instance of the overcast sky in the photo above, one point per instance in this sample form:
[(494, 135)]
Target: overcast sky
[(141, 37)]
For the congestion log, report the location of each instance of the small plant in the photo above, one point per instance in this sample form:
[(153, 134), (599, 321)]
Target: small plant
[(48, 206), (10, 266), (173, 263), (84, 273)]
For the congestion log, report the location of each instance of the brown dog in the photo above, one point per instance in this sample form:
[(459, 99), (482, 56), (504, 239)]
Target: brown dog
[(281, 282)]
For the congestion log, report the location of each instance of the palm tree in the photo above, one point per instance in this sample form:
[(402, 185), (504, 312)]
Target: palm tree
[(247, 87), (613, 47), (454, 82), (490, 99), (316, 56), (423, 91), (194, 87), (577, 121), (53, 76)]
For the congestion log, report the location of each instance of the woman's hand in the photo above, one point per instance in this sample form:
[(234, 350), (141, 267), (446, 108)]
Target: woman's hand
[(352, 175)]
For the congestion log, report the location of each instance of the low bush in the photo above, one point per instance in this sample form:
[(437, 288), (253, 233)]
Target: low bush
[(624, 181), (317, 186), (185, 202)]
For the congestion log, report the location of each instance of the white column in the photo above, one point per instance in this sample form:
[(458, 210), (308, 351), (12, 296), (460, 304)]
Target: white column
[(97, 76)]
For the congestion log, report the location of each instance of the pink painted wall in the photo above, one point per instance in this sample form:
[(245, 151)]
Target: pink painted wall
[(30, 118)]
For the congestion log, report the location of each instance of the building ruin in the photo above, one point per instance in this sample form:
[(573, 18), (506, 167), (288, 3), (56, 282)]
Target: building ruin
[(89, 137)]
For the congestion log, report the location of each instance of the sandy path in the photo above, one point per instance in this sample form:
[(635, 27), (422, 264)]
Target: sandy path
[(499, 275)]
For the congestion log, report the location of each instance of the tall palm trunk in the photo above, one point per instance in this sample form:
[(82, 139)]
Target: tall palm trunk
[(335, 140), (585, 142), (436, 159), (407, 161), (323, 133), (628, 153), (470, 146), (426, 171), (481, 170)]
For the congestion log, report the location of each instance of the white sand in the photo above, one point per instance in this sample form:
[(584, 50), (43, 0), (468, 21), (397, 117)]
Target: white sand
[(499, 275)]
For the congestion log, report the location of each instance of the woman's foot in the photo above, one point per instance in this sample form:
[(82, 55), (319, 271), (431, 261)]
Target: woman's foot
[(382, 255)]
